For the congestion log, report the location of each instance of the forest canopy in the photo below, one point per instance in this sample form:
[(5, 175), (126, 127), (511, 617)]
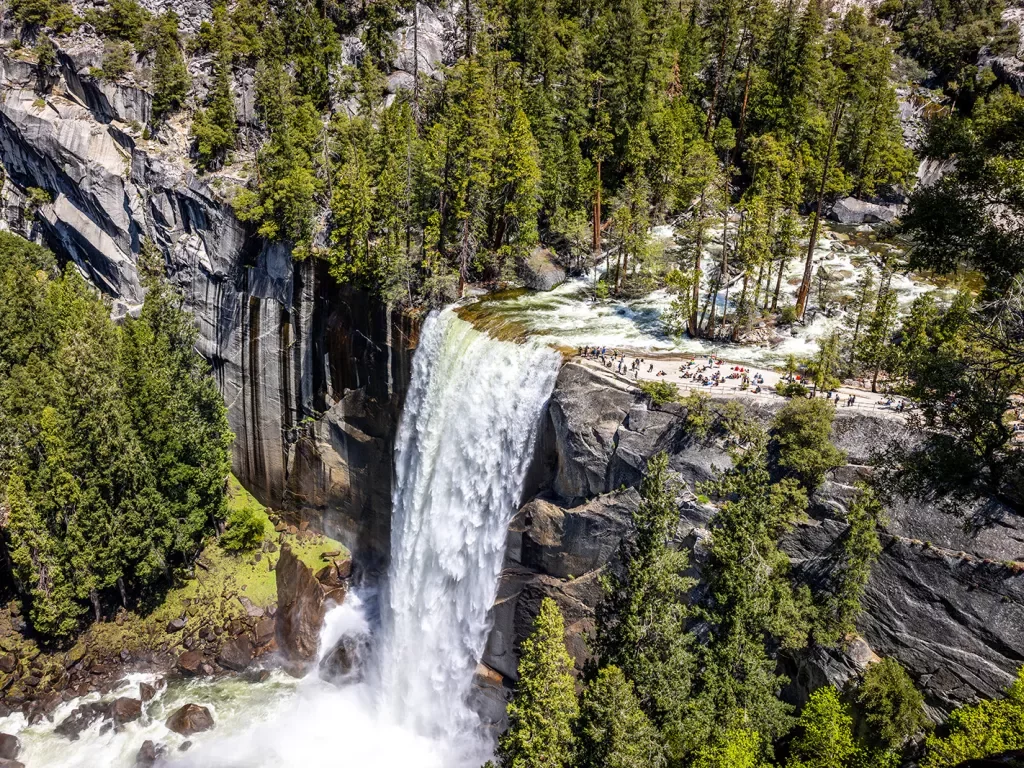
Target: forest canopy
[(113, 443)]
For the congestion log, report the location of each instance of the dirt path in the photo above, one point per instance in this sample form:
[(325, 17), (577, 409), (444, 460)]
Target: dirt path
[(675, 365)]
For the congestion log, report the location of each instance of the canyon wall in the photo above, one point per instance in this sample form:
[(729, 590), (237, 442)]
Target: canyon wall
[(313, 372)]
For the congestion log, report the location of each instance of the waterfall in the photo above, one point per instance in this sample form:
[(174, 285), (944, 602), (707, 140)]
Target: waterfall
[(464, 445)]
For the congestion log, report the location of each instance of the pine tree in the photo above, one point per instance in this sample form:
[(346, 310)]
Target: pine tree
[(543, 712), (170, 75), (214, 127), (841, 604), (614, 731), (641, 621), (875, 347), (824, 733)]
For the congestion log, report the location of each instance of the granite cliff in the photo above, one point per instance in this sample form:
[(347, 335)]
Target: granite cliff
[(946, 597)]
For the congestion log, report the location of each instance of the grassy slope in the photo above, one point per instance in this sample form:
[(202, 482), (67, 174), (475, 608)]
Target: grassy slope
[(210, 599)]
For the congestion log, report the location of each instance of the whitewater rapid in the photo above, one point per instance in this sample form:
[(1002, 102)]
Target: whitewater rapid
[(464, 445)]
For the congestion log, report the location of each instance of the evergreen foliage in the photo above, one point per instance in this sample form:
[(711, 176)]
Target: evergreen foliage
[(893, 708), (980, 730), (641, 621), (170, 79), (114, 446), (542, 715), (614, 731), (802, 433)]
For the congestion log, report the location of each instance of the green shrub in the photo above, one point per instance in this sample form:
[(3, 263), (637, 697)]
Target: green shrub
[(122, 20), (802, 433), (788, 315), (893, 707), (660, 392), (698, 414), (243, 530), (980, 730), (117, 61), (791, 389)]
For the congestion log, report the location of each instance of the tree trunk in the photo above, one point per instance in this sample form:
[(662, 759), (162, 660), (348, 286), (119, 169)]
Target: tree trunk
[(694, 325), (94, 598), (805, 284), (597, 212), (778, 285)]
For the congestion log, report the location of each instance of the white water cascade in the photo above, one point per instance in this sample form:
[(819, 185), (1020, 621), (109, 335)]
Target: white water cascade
[(464, 445), (465, 441)]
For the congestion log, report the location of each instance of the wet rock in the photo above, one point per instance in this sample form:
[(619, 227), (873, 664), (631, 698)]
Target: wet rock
[(125, 710), (300, 608), (190, 719), (81, 718), (176, 625), (342, 663), (9, 746), (149, 753), (190, 663), (146, 691), (185, 746), (5, 763), (236, 654)]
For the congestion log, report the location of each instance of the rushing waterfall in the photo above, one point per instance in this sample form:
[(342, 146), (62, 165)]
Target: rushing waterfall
[(464, 445)]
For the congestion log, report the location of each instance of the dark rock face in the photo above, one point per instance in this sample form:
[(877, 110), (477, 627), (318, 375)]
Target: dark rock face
[(9, 746), (300, 608), (940, 599), (190, 719)]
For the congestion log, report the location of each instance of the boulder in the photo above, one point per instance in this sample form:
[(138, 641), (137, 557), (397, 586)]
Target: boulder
[(190, 719), (300, 608), (328, 576), (5, 763), (9, 746), (342, 663), (236, 654), (850, 210), (190, 663), (146, 691), (176, 625), (149, 753), (125, 710), (264, 631), (540, 272)]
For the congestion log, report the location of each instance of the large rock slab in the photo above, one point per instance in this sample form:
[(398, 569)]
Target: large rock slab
[(850, 210), (300, 608)]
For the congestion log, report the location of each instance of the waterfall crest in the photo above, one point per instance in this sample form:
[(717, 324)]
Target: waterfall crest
[(464, 445)]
